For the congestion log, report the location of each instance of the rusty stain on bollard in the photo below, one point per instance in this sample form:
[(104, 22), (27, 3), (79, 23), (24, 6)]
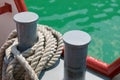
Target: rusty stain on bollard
[(26, 24), (76, 45)]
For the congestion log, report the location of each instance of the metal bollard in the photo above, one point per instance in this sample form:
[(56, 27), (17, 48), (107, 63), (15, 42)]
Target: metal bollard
[(76, 44), (26, 24)]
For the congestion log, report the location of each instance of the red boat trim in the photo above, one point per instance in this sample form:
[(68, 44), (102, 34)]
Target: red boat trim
[(109, 70), (114, 68), (97, 65), (6, 8), (21, 7)]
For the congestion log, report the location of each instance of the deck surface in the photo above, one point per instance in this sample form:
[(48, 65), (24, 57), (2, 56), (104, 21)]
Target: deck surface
[(57, 73)]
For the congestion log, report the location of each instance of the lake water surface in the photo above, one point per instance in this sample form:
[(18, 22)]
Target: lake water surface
[(100, 18)]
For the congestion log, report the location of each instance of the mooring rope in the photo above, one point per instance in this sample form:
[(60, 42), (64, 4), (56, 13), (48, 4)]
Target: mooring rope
[(28, 65)]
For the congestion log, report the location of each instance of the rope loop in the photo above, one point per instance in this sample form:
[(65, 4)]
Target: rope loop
[(28, 65)]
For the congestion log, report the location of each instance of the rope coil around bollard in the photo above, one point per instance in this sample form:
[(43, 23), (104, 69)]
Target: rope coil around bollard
[(27, 65)]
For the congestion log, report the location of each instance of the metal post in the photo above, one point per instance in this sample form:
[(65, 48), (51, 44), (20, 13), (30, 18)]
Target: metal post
[(26, 24), (76, 44)]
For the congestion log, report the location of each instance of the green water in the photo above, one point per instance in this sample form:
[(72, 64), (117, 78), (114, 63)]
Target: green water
[(100, 18)]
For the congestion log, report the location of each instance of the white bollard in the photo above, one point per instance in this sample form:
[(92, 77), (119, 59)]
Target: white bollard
[(26, 24), (76, 45)]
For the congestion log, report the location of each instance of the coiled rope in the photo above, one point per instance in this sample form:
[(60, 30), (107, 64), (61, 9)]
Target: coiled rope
[(27, 65)]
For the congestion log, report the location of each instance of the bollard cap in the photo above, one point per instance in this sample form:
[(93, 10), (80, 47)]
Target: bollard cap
[(76, 38), (26, 17)]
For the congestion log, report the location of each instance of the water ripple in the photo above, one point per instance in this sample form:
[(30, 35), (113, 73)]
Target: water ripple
[(108, 10), (65, 15), (51, 1), (101, 15), (36, 8), (76, 21)]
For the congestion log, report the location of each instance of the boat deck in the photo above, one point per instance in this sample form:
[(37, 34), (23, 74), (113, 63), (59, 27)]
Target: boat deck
[(57, 73)]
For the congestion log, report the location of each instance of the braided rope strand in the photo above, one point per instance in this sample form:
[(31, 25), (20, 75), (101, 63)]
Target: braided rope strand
[(30, 63)]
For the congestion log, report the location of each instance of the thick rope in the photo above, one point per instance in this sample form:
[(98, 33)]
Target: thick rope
[(28, 65)]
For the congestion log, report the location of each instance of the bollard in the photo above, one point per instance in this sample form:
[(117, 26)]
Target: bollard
[(76, 44), (26, 24)]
